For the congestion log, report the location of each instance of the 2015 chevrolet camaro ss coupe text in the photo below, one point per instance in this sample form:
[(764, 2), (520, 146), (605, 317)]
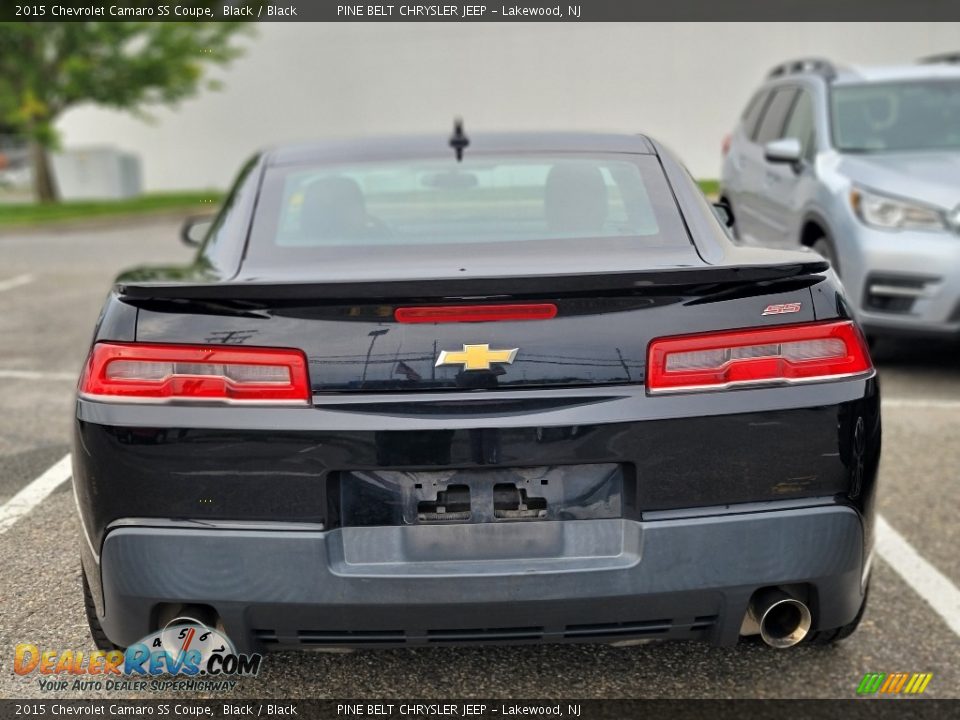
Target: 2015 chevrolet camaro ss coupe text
[(510, 388)]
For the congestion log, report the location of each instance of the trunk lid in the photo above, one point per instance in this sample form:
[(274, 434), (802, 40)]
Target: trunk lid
[(599, 336)]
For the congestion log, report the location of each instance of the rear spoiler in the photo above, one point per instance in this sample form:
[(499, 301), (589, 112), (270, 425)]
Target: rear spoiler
[(479, 287)]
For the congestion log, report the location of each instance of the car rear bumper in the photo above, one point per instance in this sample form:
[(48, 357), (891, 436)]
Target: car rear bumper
[(291, 464), (682, 574), (711, 496)]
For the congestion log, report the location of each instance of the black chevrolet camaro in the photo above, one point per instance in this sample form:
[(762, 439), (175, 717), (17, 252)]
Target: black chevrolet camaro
[(515, 388)]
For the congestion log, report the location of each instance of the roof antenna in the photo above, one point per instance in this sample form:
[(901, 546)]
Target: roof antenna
[(458, 141)]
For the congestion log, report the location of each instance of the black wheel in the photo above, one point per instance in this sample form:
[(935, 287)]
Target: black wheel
[(828, 637), (824, 247), (100, 638), (733, 218)]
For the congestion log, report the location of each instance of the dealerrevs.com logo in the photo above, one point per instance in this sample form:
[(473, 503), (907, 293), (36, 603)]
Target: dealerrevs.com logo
[(183, 656)]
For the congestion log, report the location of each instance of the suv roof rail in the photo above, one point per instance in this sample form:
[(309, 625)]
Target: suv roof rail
[(820, 66), (948, 57)]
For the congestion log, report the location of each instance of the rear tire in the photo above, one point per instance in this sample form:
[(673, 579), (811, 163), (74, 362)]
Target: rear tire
[(824, 247), (829, 637), (100, 638)]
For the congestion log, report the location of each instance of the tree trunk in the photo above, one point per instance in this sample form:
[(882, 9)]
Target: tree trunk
[(44, 184)]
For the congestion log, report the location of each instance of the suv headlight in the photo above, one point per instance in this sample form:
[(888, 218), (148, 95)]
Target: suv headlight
[(888, 213)]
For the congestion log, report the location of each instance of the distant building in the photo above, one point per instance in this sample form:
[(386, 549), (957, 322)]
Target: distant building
[(684, 83)]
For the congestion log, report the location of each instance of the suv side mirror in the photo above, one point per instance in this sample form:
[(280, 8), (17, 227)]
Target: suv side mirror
[(784, 150), (195, 229)]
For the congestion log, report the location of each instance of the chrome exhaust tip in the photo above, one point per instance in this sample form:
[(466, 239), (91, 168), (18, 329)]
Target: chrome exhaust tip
[(171, 615), (784, 621)]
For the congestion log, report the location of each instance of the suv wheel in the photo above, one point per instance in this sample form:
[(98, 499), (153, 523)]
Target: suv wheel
[(824, 247), (733, 227)]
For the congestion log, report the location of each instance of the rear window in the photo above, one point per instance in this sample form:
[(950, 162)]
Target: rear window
[(544, 200)]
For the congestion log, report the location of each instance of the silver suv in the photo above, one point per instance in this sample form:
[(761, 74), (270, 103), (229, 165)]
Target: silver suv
[(863, 166)]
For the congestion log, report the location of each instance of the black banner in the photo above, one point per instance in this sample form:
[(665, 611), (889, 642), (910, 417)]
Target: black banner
[(480, 11), (457, 709)]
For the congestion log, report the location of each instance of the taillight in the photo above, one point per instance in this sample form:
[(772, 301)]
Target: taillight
[(725, 145), (760, 356), (475, 313), (195, 372)]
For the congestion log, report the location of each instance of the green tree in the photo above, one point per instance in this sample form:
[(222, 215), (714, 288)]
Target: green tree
[(46, 68)]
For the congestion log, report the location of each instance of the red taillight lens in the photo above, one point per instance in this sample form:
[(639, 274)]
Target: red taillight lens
[(475, 313), (786, 354), (195, 372), (725, 145)]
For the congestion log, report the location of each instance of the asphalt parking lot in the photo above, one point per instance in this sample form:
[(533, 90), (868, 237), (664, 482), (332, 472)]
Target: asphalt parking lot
[(51, 287)]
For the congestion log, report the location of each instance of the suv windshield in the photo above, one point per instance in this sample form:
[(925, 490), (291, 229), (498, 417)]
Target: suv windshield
[(308, 212), (880, 117)]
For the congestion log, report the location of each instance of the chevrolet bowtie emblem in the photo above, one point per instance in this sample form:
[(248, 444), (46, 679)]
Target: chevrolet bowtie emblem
[(476, 357)]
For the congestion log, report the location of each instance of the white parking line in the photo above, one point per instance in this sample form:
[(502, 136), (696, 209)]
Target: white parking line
[(36, 375), (34, 493), (928, 582), (14, 282)]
